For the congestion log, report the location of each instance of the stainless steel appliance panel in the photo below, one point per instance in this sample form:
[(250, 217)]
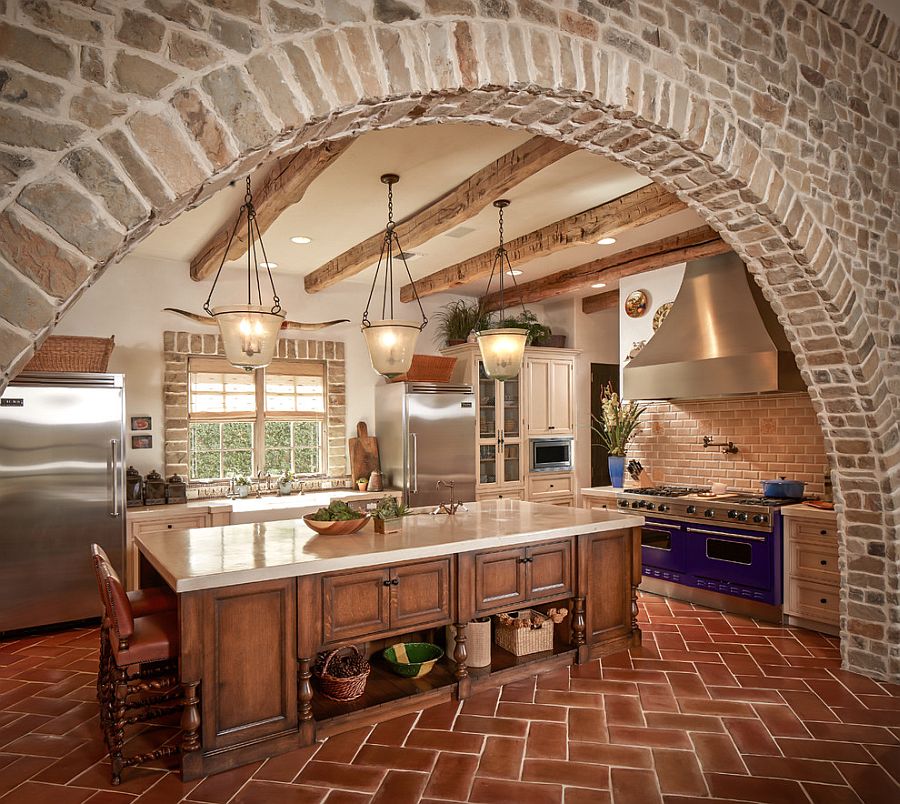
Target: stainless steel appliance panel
[(441, 445), (61, 488), (551, 455)]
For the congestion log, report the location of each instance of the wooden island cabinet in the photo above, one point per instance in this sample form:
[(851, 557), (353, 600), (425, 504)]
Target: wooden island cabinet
[(259, 603)]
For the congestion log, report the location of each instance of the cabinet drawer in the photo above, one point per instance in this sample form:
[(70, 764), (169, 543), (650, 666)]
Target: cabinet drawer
[(171, 523), (499, 579), (814, 562), (815, 601), (421, 594), (558, 484), (355, 604), (511, 494), (549, 569), (814, 531)]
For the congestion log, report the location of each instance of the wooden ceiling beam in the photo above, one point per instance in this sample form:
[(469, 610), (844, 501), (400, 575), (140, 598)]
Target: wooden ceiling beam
[(641, 206), (691, 245), (282, 188), (608, 300), (458, 205)]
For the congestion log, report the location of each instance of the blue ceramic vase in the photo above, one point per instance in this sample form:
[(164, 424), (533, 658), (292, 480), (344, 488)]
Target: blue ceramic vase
[(617, 470)]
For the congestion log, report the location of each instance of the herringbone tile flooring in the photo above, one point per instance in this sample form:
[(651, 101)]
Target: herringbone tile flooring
[(712, 707)]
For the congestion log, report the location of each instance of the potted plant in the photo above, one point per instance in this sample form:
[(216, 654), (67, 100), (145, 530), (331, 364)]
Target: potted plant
[(388, 513), (616, 427), (457, 319), (286, 483), (537, 332), (362, 483), (241, 486)]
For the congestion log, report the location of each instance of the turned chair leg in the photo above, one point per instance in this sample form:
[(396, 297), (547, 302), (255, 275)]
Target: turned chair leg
[(116, 739)]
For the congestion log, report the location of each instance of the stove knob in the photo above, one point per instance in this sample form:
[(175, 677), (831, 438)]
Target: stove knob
[(642, 503), (623, 503), (692, 509), (663, 508), (635, 504), (742, 517), (758, 518), (651, 506), (709, 513), (732, 514)]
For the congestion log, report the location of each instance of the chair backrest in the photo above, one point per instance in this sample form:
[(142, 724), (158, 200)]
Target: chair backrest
[(112, 592)]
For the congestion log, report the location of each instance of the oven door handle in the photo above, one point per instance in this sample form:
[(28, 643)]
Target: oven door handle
[(648, 525), (727, 535)]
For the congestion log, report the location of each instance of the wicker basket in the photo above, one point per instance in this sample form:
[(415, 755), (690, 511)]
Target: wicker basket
[(478, 643), (522, 641), (428, 368), (341, 689), (72, 353)]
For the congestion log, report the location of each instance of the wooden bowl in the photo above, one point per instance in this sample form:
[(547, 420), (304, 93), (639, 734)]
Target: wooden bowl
[(337, 527)]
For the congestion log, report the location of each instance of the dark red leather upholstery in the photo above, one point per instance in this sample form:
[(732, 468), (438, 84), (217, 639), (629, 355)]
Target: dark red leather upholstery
[(155, 639), (118, 606), (143, 601)]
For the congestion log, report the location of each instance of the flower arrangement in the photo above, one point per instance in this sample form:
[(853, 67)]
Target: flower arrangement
[(618, 424)]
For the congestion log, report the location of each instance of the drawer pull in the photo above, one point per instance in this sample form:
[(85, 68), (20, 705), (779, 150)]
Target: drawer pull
[(823, 600), (823, 532), (824, 563), (551, 485), (169, 527)]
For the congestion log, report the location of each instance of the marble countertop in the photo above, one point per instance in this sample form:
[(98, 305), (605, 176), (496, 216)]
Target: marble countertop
[(208, 558)]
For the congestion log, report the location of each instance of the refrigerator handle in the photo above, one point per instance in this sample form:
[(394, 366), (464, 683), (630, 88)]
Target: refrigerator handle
[(414, 443), (111, 466)]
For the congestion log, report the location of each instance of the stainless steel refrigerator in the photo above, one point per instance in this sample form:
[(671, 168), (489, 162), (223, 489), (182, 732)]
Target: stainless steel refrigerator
[(62, 487), (426, 433)]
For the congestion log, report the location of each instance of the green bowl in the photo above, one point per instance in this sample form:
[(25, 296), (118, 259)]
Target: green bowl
[(412, 659)]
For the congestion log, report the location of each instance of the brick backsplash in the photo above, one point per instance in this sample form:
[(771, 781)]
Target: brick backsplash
[(775, 435)]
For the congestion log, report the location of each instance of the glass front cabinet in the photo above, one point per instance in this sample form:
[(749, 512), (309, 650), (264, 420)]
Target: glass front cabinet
[(501, 448)]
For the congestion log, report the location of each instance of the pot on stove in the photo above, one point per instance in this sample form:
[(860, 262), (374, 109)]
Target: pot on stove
[(783, 488)]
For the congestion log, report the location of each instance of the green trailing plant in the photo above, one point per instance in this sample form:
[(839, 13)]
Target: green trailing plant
[(526, 320), (390, 508), (618, 423), (458, 318)]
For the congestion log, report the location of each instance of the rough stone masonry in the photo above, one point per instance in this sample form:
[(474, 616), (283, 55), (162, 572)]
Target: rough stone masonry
[(777, 120)]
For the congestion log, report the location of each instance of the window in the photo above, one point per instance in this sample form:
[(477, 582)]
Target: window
[(241, 422)]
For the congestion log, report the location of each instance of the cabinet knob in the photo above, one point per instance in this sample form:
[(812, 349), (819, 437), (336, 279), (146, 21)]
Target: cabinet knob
[(386, 583), (823, 600), (395, 582), (824, 563), (823, 532), (551, 485), (169, 527)]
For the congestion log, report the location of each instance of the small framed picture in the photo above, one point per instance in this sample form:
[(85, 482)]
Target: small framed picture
[(141, 423), (141, 442)]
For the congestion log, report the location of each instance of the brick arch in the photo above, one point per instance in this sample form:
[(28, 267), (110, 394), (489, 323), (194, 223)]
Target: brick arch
[(166, 103)]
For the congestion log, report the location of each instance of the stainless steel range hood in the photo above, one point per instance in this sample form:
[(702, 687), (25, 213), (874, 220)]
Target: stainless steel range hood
[(720, 338)]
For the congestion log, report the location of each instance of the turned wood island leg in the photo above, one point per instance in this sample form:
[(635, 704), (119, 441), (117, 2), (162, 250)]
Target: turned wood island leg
[(460, 654), (578, 624), (190, 718), (305, 693)]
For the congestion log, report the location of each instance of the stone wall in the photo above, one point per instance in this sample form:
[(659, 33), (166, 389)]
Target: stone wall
[(178, 347), (776, 436), (776, 120)]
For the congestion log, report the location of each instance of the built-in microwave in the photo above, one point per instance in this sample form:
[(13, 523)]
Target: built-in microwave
[(551, 455)]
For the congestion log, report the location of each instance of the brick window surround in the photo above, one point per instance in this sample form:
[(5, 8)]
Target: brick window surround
[(778, 122), (179, 346)]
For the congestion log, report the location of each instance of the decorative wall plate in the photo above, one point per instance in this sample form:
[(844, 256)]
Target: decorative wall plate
[(636, 304), (660, 315)]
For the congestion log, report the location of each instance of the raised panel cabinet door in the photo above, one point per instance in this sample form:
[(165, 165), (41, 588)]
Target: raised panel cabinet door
[(607, 574), (549, 569), (420, 594), (561, 392), (539, 396), (355, 604), (249, 676), (499, 578)]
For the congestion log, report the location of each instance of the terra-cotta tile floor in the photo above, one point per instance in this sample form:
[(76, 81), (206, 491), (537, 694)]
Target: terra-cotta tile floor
[(711, 707)]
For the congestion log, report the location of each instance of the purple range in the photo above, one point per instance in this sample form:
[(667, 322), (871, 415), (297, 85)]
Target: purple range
[(727, 545)]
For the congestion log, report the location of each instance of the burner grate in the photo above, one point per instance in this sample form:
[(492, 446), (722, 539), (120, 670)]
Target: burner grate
[(668, 491), (773, 502)]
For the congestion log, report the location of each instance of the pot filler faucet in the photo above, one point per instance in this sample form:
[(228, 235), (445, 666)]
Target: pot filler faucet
[(453, 506), (728, 447)]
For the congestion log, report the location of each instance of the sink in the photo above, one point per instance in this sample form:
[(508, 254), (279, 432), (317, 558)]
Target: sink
[(266, 509)]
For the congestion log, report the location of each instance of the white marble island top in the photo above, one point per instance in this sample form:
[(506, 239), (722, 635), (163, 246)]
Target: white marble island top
[(208, 558)]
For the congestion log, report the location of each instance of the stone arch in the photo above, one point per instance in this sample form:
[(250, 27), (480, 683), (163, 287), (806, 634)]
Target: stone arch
[(169, 100)]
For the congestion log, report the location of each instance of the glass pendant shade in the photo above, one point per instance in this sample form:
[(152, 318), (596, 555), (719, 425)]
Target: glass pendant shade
[(502, 351), (249, 334), (391, 344)]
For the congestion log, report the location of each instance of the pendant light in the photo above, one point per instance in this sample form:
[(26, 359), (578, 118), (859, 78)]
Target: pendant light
[(503, 349), (390, 341), (249, 331)]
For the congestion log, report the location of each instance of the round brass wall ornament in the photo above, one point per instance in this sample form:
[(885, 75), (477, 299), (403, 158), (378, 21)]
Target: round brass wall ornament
[(660, 315), (636, 303)]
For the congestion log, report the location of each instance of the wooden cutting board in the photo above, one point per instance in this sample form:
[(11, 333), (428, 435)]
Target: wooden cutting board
[(363, 453)]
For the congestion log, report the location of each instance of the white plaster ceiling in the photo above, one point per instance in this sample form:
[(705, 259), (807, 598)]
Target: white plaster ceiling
[(347, 204)]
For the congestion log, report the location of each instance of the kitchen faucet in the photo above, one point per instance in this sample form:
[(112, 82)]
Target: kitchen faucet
[(728, 447), (453, 506)]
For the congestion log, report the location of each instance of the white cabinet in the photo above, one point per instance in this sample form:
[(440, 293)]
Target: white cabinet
[(556, 488), (811, 575), (550, 383), (500, 446)]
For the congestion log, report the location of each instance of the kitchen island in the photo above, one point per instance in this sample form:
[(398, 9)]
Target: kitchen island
[(259, 602)]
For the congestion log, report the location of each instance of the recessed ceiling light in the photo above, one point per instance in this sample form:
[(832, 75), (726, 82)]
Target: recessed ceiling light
[(599, 285), (514, 272), (606, 241), (268, 265), (301, 240)]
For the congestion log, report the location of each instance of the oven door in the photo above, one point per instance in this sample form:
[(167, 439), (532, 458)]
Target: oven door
[(662, 546), (722, 557)]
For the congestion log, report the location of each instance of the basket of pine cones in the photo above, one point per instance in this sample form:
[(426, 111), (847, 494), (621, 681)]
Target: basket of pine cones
[(527, 631), (341, 675)]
